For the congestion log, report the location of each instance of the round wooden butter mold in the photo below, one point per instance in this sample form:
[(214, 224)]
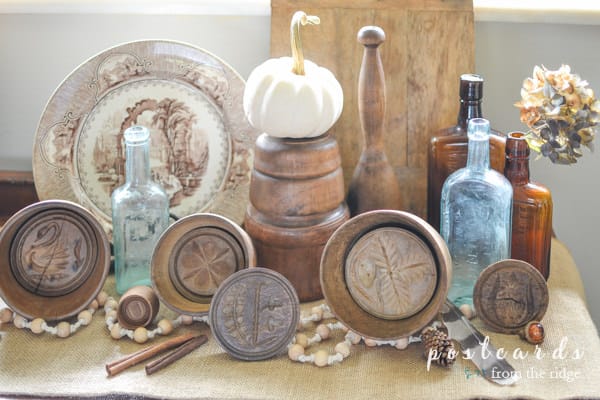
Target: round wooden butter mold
[(390, 273), (137, 307), (396, 284), (194, 256), (254, 314), (55, 257), (509, 294)]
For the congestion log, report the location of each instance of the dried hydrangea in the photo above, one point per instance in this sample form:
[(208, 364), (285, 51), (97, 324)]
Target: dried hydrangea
[(561, 112)]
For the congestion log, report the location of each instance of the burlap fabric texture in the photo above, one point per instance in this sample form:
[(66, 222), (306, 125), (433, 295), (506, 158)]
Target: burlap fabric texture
[(48, 366)]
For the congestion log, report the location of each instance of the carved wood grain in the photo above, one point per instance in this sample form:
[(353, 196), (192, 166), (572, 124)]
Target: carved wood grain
[(429, 44)]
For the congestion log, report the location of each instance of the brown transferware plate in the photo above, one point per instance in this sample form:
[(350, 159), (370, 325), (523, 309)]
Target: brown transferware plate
[(194, 256), (54, 259), (385, 274), (190, 100), (510, 293), (254, 314)]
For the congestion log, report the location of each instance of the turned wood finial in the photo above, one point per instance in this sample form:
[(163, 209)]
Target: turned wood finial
[(374, 185), (371, 36)]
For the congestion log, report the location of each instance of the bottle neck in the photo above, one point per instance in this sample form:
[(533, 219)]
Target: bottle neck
[(478, 157), (137, 163), (469, 109), (516, 168)]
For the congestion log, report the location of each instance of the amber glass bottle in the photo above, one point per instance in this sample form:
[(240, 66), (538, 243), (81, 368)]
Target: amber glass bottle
[(532, 208), (448, 149)]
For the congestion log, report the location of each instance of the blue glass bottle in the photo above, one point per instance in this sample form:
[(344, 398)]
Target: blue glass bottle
[(140, 213), (476, 209)]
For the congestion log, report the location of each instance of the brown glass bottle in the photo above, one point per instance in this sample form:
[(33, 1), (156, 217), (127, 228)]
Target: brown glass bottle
[(532, 208), (448, 149)]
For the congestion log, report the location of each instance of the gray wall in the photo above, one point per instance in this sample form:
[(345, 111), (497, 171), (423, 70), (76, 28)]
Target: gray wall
[(37, 51)]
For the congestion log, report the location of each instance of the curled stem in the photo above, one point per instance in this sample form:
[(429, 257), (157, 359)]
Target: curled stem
[(299, 18)]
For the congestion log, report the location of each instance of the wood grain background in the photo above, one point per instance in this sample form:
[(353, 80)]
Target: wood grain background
[(429, 44)]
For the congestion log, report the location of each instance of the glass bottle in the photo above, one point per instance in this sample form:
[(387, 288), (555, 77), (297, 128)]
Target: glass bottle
[(476, 209), (448, 149), (532, 208), (140, 213)]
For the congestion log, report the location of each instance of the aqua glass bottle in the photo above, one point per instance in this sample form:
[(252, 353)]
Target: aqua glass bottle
[(476, 209), (140, 213)]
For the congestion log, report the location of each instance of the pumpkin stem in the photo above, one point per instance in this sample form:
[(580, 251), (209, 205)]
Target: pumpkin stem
[(299, 18)]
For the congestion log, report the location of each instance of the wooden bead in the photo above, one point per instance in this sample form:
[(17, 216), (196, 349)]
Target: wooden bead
[(302, 340), (295, 351), (323, 331), (115, 331), (401, 343), (63, 329), (19, 321), (370, 342), (140, 335), (6, 315), (165, 326), (101, 298), (37, 326), (321, 358), (467, 311), (353, 337), (111, 304), (94, 305), (112, 314), (85, 317), (318, 311), (187, 319), (343, 348)]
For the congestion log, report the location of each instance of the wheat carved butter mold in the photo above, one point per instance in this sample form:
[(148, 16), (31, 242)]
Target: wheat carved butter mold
[(385, 274)]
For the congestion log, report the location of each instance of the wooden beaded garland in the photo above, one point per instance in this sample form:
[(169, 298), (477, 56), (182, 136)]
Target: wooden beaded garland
[(320, 358), (141, 335), (64, 329)]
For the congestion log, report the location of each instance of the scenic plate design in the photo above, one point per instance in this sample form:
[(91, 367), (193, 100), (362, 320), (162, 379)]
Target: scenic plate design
[(201, 143)]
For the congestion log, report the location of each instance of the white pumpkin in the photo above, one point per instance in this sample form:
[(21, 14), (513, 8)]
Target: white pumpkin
[(292, 97)]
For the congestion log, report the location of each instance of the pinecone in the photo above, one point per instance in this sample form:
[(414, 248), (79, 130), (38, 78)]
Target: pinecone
[(434, 339)]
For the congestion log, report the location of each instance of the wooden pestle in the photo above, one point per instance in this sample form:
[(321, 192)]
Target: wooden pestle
[(374, 185)]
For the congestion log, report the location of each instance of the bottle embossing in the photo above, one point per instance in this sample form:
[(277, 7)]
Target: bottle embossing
[(476, 207)]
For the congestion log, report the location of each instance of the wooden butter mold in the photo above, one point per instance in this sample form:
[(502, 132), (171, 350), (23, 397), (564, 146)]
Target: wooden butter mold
[(194, 256), (55, 259), (509, 294), (385, 274), (254, 314)]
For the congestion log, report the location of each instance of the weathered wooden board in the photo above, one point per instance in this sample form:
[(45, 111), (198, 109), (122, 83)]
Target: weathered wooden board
[(429, 44)]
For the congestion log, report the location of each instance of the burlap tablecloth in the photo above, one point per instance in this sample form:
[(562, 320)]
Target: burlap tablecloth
[(48, 366)]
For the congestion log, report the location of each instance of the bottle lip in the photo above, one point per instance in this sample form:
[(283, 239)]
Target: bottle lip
[(471, 87), (136, 135), (516, 145), (478, 129)]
